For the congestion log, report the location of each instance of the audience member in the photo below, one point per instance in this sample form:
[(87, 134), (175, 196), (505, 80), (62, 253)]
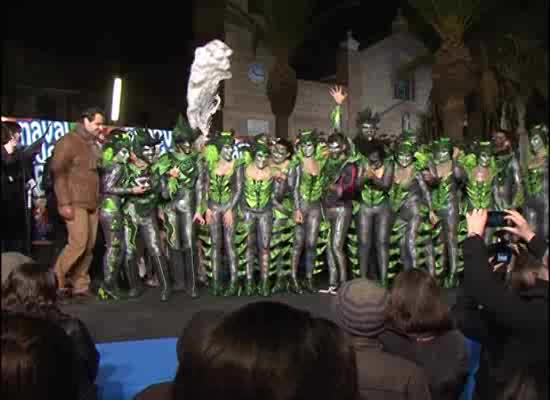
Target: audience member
[(421, 330), (12, 260), (76, 183), (511, 325), (189, 347), (31, 289), (16, 173), (359, 308), (268, 350), (38, 361)]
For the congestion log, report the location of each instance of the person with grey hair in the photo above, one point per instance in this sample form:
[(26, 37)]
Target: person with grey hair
[(359, 308)]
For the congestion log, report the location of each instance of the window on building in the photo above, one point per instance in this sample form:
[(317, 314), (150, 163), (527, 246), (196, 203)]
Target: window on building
[(403, 88)]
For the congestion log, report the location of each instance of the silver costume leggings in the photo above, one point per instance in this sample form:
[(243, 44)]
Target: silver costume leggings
[(305, 238), (258, 241), (339, 219), (373, 227)]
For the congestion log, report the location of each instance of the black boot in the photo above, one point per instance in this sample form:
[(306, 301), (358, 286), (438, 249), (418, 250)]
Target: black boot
[(279, 285), (176, 264), (132, 275), (308, 284), (294, 286), (162, 272), (190, 273), (250, 288)]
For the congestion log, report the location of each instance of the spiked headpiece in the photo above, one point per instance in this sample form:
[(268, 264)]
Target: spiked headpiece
[(183, 132)]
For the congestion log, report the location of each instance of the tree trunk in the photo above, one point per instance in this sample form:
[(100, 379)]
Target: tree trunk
[(453, 112), (282, 89), (523, 139), (281, 126), (476, 120)]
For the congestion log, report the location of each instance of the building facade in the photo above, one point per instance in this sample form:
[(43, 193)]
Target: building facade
[(368, 75)]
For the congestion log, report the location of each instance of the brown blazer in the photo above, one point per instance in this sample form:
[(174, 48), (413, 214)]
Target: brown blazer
[(383, 376), (74, 169)]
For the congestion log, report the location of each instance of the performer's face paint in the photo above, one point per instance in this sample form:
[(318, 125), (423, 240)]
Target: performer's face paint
[(261, 160), (308, 149), (227, 152), (442, 155), (375, 161), (404, 159), (148, 154), (279, 153), (537, 144), (336, 149), (484, 159), (122, 156), (368, 130), (185, 147)]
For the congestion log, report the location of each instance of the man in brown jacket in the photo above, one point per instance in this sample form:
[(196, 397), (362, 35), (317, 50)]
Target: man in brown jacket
[(359, 308), (76, 184)]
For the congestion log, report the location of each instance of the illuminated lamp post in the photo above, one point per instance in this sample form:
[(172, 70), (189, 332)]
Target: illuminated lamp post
[(117, 98)]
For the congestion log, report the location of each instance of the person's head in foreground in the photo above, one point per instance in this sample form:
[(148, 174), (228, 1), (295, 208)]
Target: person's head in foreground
[(525, 271), (271, 351), (417, 306), (360, 307), (30, 288), (37, 360)]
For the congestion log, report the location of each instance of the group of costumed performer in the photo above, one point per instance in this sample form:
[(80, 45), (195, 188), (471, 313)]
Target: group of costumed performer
[(263, 216)]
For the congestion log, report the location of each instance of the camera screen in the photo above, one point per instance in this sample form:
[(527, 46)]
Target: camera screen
[(502, 258)]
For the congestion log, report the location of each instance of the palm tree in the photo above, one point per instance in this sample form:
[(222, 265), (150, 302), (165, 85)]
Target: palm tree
[(283, 27), (454, 74)]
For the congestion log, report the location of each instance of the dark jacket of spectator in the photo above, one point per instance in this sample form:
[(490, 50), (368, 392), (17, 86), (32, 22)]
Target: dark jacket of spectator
[(511, 327), (444, 359), (420, 329), (359, 309)]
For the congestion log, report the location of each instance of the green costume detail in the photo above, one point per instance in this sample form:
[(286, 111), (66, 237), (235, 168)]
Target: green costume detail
[(257, 192)]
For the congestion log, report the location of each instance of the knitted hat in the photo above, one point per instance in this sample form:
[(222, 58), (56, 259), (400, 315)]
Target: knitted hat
[(360, 307)]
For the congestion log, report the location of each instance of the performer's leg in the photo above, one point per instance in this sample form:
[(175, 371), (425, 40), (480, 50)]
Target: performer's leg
[(265, 226), (411, 234), (364, 228), (131, 269), (252, 222), (151, 235), (383, 219), (297, 248), (312, 221), (113, 231), (451, 236), (172, 224), (187, 233), (339, 233), (231, 251), (331, 215), (216, 252), (279, 285)]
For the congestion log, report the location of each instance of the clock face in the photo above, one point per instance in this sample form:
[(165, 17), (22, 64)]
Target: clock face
[(256, 73)]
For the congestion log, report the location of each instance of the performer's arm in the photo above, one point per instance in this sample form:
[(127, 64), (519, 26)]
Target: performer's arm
[(296, 189), (200, 188), (518, 182), (236, 195), (111, 181), (426, 194)]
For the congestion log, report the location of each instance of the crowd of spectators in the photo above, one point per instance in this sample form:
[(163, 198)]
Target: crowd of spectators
[(403, 343)]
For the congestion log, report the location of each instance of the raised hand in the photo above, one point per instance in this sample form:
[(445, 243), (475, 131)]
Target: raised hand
[(338, 94)]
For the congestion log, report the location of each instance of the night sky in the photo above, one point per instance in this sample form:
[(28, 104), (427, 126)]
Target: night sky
[(165, 36), (157, 49)]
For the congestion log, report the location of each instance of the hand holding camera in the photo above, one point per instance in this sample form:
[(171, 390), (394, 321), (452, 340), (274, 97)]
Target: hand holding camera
[(520, 226)]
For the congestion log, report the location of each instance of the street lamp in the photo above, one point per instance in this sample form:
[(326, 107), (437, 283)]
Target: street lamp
[(117, 96)]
